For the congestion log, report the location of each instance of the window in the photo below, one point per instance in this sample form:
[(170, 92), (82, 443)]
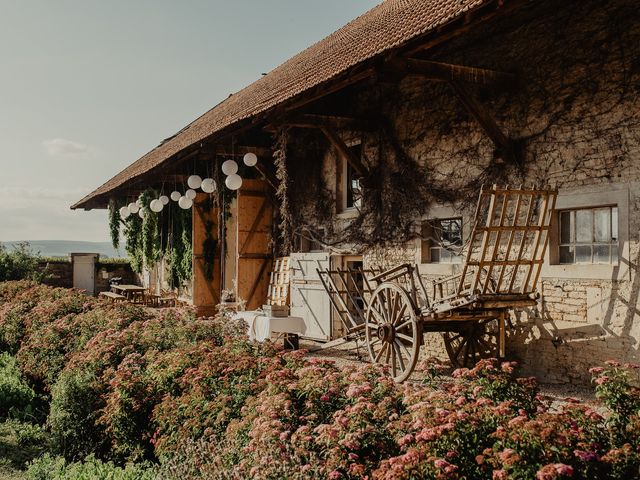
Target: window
[(588, 235), (442, 240), (353, 191)]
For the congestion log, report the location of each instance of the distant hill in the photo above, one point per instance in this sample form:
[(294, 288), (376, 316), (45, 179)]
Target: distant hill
[(62, 248)]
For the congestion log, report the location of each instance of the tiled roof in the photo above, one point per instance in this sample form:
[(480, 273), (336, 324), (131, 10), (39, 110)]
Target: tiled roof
[(391, 24)]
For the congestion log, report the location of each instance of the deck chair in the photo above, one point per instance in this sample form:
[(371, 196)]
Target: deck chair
[(504, 254)]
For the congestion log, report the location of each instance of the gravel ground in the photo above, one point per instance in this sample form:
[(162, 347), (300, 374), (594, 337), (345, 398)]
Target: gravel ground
[(352, 354)]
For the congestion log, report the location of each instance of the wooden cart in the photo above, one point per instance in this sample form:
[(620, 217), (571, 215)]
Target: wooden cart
[(503, 258)]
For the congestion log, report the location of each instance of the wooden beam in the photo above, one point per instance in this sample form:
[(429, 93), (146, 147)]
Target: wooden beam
[(269, 177), (240, 150), (503, 144), (344, 151), (448, 72), (309, 120)]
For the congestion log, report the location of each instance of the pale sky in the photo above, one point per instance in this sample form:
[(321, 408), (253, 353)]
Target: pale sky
[(89, 86)]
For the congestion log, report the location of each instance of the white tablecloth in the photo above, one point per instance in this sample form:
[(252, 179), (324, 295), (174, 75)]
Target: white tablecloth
[(261, 325)]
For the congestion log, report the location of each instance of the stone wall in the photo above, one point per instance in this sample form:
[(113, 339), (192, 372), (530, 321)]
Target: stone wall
[(60, 274), (576, 111)]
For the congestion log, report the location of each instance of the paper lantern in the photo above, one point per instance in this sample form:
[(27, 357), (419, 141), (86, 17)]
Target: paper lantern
[(190, 194), (250, 159), (208, 185), (124, 212), (194, 181), (142, 213), (164, 199), (156, 205), (185, 203), (233, 181), (175, 196), (133, 207), (229, 167)]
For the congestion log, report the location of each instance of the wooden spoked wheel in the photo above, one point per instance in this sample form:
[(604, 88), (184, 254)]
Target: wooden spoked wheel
[(393, 332), (474, 341)]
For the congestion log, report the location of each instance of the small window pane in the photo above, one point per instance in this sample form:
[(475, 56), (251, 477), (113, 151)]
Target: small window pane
[(566, 255), (583, 253), (435, 255), (614, 224), (565, 227), (601, 253), (584, 226), (614, 253), (602, 221)]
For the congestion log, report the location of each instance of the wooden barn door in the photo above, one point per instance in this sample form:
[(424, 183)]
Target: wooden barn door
[(206, 289), (254, 253), (309, 299)]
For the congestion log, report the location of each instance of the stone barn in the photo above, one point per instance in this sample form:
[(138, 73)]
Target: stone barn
[(373, 144)]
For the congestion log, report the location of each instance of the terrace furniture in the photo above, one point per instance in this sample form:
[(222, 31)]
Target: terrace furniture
[(133, 293), (112, 297), (274, 318)]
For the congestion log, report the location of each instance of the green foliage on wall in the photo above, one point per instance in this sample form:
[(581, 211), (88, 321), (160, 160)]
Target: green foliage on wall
[(115, 222)]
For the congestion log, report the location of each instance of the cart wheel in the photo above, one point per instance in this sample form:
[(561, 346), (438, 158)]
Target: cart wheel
[(393, 332), (476, 340)]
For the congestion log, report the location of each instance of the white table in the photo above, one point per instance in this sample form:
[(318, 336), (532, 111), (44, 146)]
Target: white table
[(261, 326)]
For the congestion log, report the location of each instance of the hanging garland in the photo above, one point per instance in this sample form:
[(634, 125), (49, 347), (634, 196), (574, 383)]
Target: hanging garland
[(114, 223)]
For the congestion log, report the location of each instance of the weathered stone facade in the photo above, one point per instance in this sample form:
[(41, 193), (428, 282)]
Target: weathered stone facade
[(576, 112)]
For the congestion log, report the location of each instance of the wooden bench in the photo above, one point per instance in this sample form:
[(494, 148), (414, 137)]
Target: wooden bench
[(113, 297)]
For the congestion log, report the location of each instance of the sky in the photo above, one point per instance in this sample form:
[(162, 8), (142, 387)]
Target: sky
[(89, 86)]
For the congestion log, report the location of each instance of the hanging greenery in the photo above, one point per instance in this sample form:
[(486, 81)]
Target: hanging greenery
[(114, 223), (151, 250), (133, 236), (178, 251)]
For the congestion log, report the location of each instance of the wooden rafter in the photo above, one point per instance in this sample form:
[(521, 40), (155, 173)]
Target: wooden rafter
[(448, 72), (504, 145), (344, 151), (309, 120)]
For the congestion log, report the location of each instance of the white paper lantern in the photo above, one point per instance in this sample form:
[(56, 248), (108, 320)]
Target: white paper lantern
[(142, 213), (194, 181), (185, 203), (133, 207), (164, 199), (229, 167), (175, 196), (233, 181), (124, 212), (250, 159), (156, 205), (208, 185), (190, 194)]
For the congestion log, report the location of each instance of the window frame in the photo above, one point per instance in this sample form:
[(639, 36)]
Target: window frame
[(585, 197), (427, 245), (573, 243)]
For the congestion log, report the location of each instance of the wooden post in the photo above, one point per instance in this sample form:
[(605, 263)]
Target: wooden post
[(502, 335)]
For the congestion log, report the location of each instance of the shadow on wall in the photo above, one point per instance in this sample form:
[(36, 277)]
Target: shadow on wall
[(562, 351)]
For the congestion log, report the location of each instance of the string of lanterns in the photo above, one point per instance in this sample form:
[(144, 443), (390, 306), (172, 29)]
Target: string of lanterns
[(194, 182)]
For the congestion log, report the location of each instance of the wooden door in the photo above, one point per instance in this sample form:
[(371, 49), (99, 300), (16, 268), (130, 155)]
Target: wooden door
[(254, 253), (309, 299), (206, 279)]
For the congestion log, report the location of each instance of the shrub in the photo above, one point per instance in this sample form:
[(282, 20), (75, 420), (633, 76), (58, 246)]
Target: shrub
[(56, 468), (17, 399), (20, 443), (20, 264)]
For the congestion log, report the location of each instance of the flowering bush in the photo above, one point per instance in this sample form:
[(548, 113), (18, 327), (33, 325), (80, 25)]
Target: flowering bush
[(17, 398), (132, 384)]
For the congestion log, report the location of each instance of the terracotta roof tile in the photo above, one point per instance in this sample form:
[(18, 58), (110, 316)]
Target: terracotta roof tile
[(386, 26)]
